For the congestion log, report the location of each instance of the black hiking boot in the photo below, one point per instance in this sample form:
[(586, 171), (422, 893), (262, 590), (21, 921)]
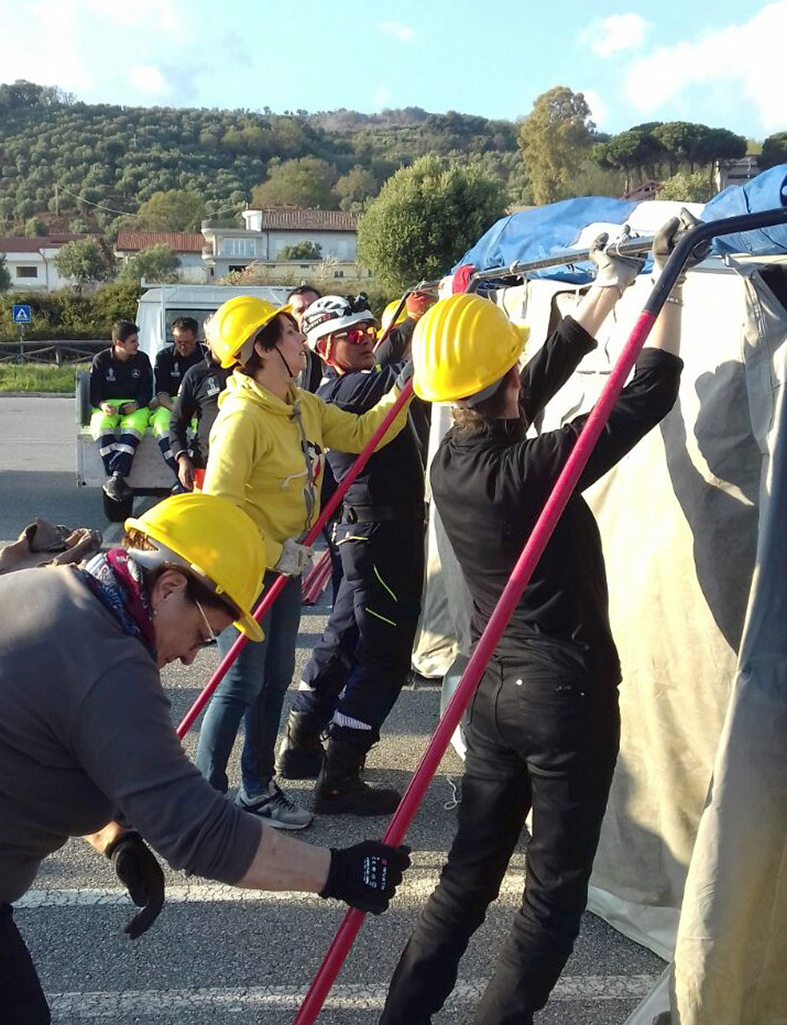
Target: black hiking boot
[(339, 789), (301, 753)]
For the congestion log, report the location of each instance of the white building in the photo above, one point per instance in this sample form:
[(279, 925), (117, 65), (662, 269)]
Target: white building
[(269, 231), (186, 245), (31, 261)]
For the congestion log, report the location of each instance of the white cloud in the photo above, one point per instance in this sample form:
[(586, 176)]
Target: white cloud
[(401, 32), (149, 79), (616, 33), (382, 96), (71, 40), (740, 61), (599, 112)]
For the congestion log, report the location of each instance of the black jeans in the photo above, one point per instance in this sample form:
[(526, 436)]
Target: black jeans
[(22, 1000), (362, 660), (541, 734)]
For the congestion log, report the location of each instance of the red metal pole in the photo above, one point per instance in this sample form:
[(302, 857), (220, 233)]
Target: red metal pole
[(518, 580), (273, 592), (520, 576), (312, 578)]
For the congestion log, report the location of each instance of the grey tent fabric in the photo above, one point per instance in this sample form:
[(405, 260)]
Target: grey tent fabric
[(679, 520), (731, 953)]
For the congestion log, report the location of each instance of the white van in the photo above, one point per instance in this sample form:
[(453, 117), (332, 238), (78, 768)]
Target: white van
[(158, 307)]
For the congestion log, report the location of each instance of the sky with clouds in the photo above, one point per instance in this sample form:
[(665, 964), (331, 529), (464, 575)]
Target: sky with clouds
[(717, 63)]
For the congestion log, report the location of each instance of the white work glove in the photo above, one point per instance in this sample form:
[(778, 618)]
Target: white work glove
[(668, 236), (611, 269), (294, 558)]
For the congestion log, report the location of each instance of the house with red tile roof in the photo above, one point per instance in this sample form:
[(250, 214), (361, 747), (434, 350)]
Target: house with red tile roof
[(30, 261)]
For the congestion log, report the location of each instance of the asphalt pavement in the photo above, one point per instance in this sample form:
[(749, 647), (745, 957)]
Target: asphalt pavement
[(218, 955)]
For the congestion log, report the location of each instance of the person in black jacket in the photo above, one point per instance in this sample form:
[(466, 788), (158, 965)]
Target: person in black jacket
[(364, 654), (121, 387), (172, 364), (544, 724), (197, 399)]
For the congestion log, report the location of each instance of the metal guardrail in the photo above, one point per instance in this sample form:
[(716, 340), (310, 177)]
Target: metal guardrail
[(58, 352)]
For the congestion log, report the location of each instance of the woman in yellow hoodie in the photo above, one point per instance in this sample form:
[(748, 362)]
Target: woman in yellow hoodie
[(267, 454)]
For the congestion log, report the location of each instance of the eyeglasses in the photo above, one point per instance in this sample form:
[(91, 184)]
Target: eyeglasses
[(357, 335), (211, 638)]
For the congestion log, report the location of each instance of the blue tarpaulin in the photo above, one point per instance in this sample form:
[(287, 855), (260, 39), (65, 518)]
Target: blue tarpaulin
[(544, 231)]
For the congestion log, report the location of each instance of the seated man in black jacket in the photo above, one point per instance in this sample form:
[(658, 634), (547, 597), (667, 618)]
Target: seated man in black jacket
[(364, 654), (197, 399), (172, 364), (121, 387)]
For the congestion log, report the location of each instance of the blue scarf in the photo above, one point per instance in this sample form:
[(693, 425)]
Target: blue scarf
[(117, 582)]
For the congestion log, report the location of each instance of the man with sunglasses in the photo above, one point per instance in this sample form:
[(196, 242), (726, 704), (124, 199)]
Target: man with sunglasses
[(358, 667)]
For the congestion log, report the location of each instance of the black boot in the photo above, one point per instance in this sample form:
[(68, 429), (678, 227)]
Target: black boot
[(339, 789), (301, 753)]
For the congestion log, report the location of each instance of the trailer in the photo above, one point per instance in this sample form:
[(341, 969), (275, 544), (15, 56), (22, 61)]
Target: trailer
[(158, 307)]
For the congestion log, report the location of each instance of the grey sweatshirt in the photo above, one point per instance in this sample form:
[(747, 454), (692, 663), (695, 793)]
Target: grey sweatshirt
[(85, 732)]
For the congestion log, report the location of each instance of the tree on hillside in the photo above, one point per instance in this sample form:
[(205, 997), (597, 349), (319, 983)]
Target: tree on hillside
[(554, 138), (774, 150), (636, 152), (35, 227), (425, 217), (5, 275), (355, 188), (301, 251), (306, 182), (84, 262), (156, 263), (173, 210)]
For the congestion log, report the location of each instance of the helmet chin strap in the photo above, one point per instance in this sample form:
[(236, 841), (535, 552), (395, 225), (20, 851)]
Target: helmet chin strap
[(286, 364)]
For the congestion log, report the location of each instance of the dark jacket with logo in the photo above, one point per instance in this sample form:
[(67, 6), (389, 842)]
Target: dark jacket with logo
[(393, 479), (171, 368), (111, 378), (198, 397)]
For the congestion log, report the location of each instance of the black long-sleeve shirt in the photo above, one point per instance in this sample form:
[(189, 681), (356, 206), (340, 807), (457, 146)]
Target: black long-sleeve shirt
[(171, 368), (111, 378), (198, 396), (393, 478), (491, 487)]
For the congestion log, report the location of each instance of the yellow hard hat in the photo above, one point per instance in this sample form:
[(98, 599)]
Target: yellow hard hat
[(461, 346), (235, 326), (388, 313), (213, 539)]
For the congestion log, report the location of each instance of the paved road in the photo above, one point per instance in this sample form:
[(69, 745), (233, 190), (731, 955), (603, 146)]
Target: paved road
[(218, 956)]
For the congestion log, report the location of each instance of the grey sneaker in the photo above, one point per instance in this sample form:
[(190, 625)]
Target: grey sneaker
[(276, 810)]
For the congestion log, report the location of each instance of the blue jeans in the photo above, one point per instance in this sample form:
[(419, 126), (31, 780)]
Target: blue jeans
[(252, 690), (544, 736)]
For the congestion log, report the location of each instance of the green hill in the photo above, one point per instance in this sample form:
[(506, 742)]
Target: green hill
[(63, 161)]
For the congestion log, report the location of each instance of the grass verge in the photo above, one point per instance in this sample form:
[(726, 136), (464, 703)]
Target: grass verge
[(39, 377)]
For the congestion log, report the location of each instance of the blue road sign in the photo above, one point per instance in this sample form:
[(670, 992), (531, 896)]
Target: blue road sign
[(22, 313)]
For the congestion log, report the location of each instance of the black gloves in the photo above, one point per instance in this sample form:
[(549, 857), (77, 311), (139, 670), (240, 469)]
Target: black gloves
[(366, 876), (668, 236), (136, 867)]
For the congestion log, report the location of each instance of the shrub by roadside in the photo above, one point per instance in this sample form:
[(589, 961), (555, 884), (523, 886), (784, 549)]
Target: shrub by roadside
[(63, 314)]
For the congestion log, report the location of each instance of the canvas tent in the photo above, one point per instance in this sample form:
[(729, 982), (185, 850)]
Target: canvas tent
[(690, 522)]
